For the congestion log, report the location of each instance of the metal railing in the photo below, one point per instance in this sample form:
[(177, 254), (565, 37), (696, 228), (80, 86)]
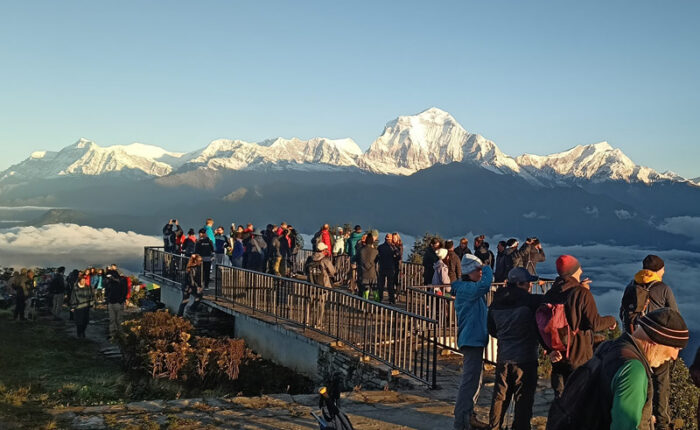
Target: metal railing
[(422, 300), (401, 340)]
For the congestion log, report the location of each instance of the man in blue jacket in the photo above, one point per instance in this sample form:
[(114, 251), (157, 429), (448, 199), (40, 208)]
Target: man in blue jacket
[(472, 334)]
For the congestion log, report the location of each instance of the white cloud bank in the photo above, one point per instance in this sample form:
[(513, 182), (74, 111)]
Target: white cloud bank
[(73, 246), (688, 226)]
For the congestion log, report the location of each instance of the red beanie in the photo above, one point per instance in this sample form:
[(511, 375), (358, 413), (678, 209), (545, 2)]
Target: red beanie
[(567, 265)]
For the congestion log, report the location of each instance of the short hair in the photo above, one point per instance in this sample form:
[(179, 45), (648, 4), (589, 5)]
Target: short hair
[(210, 220), (449, 244), (202, 231), (358, 228)]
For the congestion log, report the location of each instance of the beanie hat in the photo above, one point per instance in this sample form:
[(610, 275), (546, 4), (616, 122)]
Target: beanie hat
[(470, 263), (321, 246), (653, 263), (567, 265), (666, 327), (441, 253)]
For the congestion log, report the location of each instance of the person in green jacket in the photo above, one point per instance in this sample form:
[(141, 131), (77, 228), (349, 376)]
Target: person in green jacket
[(614, 389), (351, 250)]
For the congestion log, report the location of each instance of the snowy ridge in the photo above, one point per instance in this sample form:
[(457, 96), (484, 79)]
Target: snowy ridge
[(596, 162), (407, 144), (85, 158)]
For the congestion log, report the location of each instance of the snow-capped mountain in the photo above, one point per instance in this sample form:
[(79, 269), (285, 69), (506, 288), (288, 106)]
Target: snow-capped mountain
[(696, 181), (597, 162), (412, 143), (318, 152), (86, 158), (407, 144)]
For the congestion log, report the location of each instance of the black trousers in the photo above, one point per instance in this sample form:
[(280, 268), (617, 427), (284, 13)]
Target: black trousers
[(82, 317), (386, 278), (206, 272), (661, 379), (19, 307), (560, 374), (517, 382)]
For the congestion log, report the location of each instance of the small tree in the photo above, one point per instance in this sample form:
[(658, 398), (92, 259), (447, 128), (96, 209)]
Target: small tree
[(684, 395), (419, 247)]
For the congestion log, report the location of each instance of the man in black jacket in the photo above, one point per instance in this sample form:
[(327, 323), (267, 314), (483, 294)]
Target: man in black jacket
[(115, 295), (534, 255), (205, 249), (463, 248), (387, 254), (429, 259), (500, 274), (511, 320)]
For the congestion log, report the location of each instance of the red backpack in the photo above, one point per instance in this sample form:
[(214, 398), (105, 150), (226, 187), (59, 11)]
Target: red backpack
[(551, 320)]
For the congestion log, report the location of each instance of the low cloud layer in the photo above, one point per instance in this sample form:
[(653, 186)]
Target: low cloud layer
[(72, 246), (688, 226)]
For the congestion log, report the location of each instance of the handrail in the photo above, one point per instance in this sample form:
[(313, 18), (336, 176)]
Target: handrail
[(402, 340)]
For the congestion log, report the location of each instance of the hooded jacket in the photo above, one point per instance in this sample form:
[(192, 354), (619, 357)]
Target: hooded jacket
[(441, 275), (454, 266), (367, 264), (581, 314), (470, 306), (511, 320), (351, 245), (660, 294)]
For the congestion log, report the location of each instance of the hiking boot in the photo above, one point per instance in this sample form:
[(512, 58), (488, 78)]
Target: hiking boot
[(476, 424)]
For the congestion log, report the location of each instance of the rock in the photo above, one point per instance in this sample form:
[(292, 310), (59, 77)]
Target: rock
[(182, 403), (89, 423), (146, 406)]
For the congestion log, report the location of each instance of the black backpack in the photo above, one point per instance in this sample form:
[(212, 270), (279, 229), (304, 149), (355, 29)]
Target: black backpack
[(314, 270), (581, 405), (635, 301)]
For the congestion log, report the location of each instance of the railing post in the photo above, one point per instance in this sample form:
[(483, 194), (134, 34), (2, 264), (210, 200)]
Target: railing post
[(434, 382)]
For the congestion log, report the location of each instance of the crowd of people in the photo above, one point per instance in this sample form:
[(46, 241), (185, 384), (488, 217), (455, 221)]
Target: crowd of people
[(627, 380), (80, 291), (618, 384)]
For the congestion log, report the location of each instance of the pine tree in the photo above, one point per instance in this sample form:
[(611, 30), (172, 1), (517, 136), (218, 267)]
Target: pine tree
[(419, 247)]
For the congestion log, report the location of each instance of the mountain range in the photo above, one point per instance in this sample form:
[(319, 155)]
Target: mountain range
[(425, 172), (408, 144)]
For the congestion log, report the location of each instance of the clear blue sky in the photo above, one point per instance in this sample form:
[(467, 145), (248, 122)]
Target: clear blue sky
[(534, 77)]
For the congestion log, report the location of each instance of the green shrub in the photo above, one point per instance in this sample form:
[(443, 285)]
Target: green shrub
[(684, 397)]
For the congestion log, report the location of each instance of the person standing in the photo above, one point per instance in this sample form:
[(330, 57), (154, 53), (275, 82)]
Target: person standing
[(429, 260), (81, 302), (274, 253), (351, 250), (500, 274), (338, 242), (170, 231), (189, 243), (453, 261), (324, 235), (398, 243), (220, 246), (534, 256), (57, 288), (582, 316), (115, 296), (209, 229), (441, 273), (193, 284), (318, 267), (472, 336), (648, 285), (237, 252), (463, 248), (386, 257), (368, 267), (511, 320), (205, 249), (614, 390)]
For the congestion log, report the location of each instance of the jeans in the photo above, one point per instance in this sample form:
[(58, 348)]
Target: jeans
[(517, 381), (661, 378), (56, 304), (237, 261), (472, 365), (116, 315)]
